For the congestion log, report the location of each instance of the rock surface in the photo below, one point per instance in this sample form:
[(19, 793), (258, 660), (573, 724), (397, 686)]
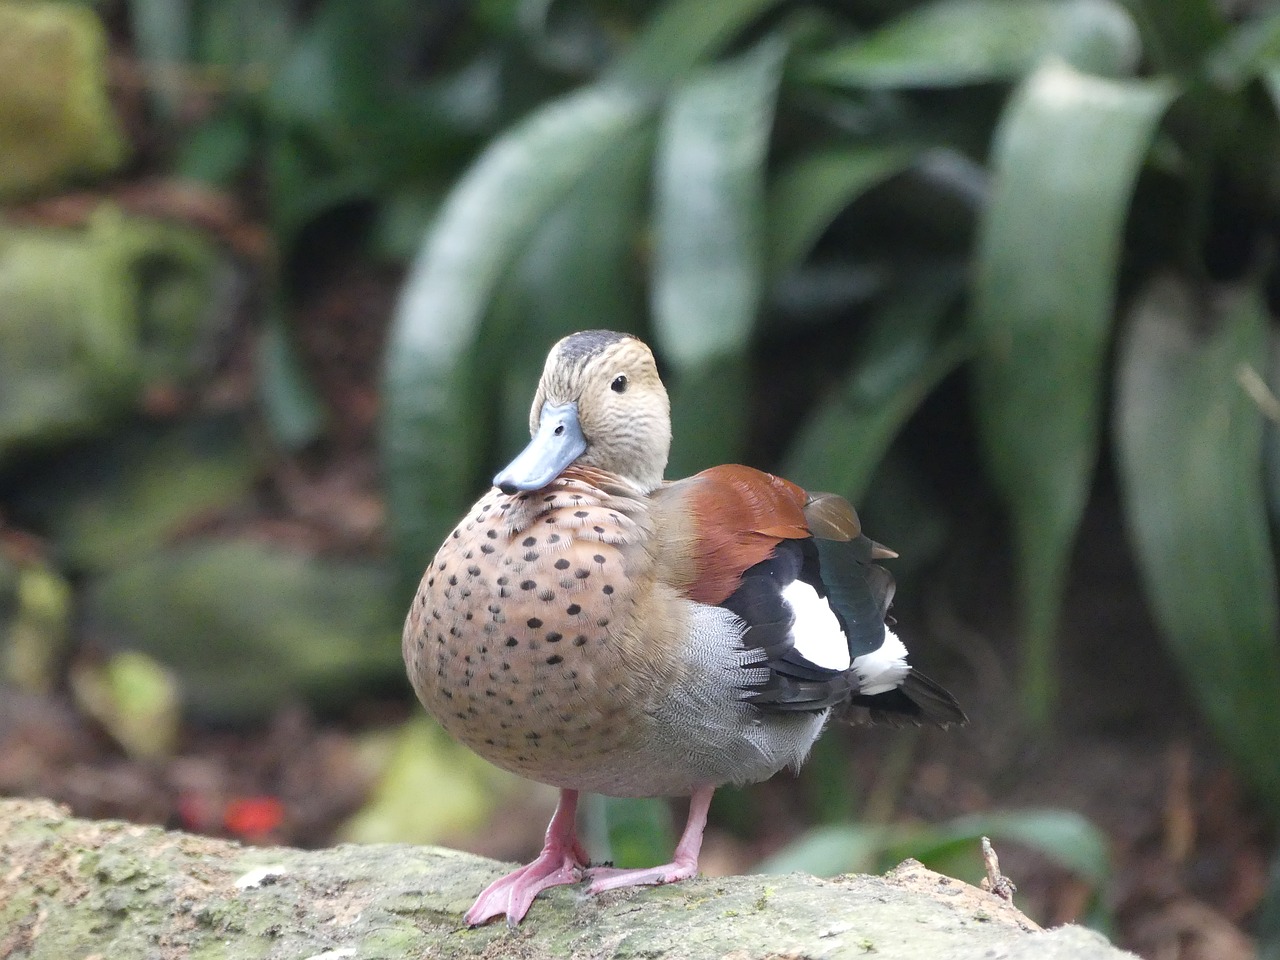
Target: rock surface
[(73, 888)]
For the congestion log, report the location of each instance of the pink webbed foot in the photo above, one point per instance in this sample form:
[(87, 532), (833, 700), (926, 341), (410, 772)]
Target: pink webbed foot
[(682, 867), (610, 878), (562, 861)]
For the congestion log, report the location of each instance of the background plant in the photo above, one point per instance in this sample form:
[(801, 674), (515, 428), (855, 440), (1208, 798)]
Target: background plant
[(1070, 203)]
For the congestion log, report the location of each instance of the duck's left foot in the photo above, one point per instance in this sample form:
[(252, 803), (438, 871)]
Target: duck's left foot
[(609, 878), (684, 866)]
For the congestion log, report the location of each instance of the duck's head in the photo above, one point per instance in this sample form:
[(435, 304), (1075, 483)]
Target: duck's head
[(600, 403)]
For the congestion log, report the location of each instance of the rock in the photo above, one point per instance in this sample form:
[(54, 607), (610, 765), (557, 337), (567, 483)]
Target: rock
[(72, 887)]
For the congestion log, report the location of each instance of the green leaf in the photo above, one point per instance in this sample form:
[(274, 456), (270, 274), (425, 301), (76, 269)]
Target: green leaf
[(1251, 49), (630, 831), (708, 273), (1061, 835), (1267, 396), (683, 34), (293, 409), (1176, 36), (907, 354), (1066, 156), (163, 33), (812, 190), (434, 425), (1064, 836), (419, 759), (828, 851), (1271, 76), (1268, 927), (960, 42), (579, 272), (1189, 440)]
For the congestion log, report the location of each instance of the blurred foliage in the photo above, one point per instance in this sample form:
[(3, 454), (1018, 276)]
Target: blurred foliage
[(135, 699), (904, 190), (1066, 838), (429, 788)]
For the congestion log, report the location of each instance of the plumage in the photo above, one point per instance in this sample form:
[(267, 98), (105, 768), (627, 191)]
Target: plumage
[(590, 626)]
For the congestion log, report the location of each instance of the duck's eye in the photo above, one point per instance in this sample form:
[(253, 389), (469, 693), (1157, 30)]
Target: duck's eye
[(619, 384)]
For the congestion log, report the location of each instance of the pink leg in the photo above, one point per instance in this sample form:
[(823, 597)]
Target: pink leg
[(562, 861), (682, 867)]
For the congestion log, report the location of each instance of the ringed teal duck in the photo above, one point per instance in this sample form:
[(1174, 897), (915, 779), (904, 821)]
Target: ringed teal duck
[(590, 626)]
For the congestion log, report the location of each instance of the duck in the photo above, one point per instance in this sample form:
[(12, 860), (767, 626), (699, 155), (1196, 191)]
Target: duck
[(592, 626)]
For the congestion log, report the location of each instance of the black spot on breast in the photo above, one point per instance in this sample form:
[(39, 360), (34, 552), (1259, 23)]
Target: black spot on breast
[(530, 556), (573, 610), (554, 659), (580, 514), (492, 534), (607, 589), (598, 558), (580, 640), (599, 530), (473, 570), (528, 585), (546, 596), (487, 548), (528, 541), (554, 538), (552, 637), (562, 564), (512, 642), (534, 623)]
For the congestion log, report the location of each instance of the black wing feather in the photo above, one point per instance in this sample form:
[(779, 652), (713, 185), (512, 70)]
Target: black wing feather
[(859, 591)]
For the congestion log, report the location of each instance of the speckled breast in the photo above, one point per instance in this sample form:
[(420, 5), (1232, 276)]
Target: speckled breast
[(516, 639)]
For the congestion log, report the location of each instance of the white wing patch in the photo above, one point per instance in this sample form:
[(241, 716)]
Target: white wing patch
[(816, 632), (884, 668)]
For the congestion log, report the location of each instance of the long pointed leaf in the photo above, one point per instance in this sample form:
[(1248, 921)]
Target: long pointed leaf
[(809, 194), (681, 35), (709, 262), (432, 427), (580, 272), (1067, 153), (1190, 450), (957, 42), (841, 445)]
